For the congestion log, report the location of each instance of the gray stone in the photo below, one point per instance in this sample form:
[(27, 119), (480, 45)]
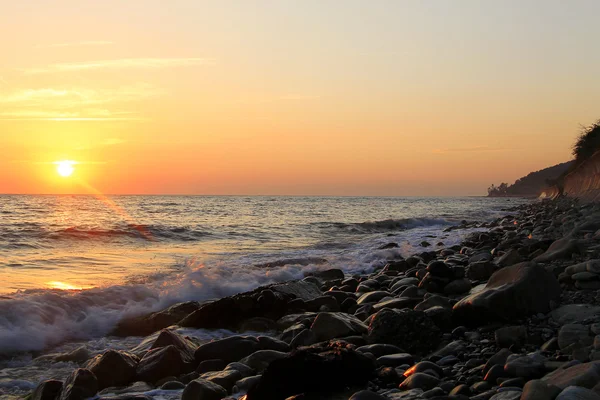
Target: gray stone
[(507, 395), (419, 380), (226, 378), (572, 313), (585, 375), (379, 350), (539, 390), (584, 276), (458, 286), (395, 360), (366, 395), (336, 325), (261, 359), (511, 335), (574, 334), (577, 393)]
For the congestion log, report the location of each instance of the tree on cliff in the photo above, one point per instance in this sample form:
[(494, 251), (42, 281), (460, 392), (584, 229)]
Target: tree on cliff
[(587, 143)]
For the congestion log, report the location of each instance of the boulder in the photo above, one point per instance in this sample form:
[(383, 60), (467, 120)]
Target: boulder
[(516, 291), (201, 389), (539, 390), (562, 248), (230, 349), (146, 324), (577, 393), (47, 390), (479, 271), (379, 350), (80, 385), (261, 359), (585, 375), (162, 362), (226, 378), (113, 368), (573, 313), (410, 330), (366, 395), (318, 369), (336, 325), (372, 297), (458, 286), (570, 334), (419, 380)]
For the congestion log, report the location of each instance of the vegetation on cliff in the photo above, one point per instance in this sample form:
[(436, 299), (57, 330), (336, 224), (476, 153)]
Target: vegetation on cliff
[(587, 143), (532, 184)]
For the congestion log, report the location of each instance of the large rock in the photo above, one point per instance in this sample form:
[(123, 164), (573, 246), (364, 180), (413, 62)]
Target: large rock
[(574, 334), (230, 349), (163, 362), (47, 390), (80, 385), (577, 393), (336, 325), (319, 369), (539, 390), (201, 389), (301, 289), (562, 248), (516, 291), (113, 368), (261, 359), (410, 330), (226, 378), (585, 375), (146, 324)]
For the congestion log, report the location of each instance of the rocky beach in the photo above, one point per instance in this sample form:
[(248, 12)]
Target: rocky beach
[(512, 312)]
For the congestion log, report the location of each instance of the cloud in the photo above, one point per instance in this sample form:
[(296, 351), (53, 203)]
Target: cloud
[(474, 149), (82, 104), (76, 44), (123, 63)]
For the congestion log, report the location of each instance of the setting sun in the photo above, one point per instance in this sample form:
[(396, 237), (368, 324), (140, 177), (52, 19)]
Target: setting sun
[(65, 168)]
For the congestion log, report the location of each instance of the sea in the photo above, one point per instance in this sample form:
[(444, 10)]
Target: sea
[(72, 266)]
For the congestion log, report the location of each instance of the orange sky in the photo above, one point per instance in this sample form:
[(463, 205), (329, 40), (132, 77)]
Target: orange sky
[(288, 97)]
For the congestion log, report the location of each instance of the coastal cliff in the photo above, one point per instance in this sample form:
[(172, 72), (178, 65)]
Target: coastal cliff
[(583, 182)]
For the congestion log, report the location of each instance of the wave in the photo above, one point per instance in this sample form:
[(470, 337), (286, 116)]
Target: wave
[(36, 320), (386, 225)]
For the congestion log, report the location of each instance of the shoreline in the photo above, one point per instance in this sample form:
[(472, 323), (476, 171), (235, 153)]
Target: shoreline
[(415, 314)]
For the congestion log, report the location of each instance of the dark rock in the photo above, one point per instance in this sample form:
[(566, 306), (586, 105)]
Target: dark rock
[(497, 359), (479, 271), (230, 349), (318, 369), (461, 390), (395, 360), (508, 294), (162, 362), (173, 385), (410, 330), (424, 366), (562, 248), (379, 350), (201, 389), (329, 274), (259, 360), (113, 368), (226, 378), (211, 365), (570, 334), (80, 385), (47, 390), (528, 367), (458, 286), (366, 395), (495, 372), (372, 297), (147, 324)]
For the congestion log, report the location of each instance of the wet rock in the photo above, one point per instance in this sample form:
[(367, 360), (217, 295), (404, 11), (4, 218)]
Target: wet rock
[(243, 369), (113, 368), (410, 330), (479, 271), (561, 248), (452, 348), (162, 362), (336, 325), (317, 369), (424, 366), (146, 324), (329, 274), (47, 390), (507, 395), (511, 335), (226, 378), (508, 295), (80, 385), (372, 297), (528, 367), (173, 385), (201, 389), (495, 372), (245, 383), (421, 381)]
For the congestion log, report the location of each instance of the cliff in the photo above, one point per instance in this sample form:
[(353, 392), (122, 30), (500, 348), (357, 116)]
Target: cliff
[(582, 182), (531, 185)]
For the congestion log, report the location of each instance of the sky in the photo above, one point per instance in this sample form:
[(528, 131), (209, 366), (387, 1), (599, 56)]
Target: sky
[(311, 97)]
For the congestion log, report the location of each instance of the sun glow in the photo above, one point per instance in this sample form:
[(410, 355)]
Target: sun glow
[(65, 168), (64, 286)]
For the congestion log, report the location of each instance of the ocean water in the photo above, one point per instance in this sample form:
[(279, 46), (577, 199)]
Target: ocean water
[(72, 266)]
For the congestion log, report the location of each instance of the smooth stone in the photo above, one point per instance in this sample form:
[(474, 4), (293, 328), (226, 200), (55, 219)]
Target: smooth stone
[(572, 313), (577, 393), (507, 395), (511, 335), (366, 395), (395, 360), (261, 359), (574, 334), (379, 350), (419, 380), (539, 390), (585, 375), (201, 389), (585, 276)]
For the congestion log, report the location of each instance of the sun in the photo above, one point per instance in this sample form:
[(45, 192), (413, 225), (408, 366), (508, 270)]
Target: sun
[(65, 168)]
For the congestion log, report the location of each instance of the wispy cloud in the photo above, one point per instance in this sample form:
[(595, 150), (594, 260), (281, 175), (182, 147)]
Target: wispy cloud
[(473, 149), (148, 63), (76, 44), (61, 104)]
